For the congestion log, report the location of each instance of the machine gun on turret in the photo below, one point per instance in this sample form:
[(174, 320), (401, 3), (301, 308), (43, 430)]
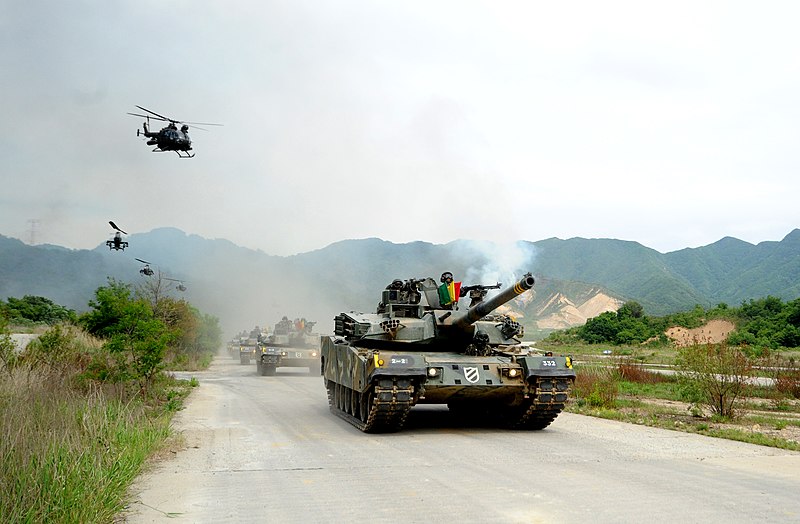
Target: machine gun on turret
[(477, 292)]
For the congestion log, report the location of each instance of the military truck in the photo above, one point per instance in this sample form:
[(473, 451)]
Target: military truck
[(291, 344), (419, 347)]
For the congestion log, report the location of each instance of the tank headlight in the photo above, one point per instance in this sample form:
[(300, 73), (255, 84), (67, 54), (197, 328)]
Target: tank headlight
[(313, 353), (512, 373), (432, 372), (283, 353)]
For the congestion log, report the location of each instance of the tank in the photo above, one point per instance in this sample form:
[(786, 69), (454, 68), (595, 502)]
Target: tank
[(417, 350), (291, 344), (247, 350)]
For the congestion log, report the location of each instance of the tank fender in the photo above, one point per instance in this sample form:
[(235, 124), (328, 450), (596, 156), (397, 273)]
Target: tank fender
[(388, 366), (541, 366)]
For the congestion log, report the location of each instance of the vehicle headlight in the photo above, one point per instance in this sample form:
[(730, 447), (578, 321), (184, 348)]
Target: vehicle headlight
[(432, 372), (512, 373), (313, 353)]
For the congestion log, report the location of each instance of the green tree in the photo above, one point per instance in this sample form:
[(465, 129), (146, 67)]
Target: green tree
[(602, 328), (631, 309), (37, 309), (134, 334)]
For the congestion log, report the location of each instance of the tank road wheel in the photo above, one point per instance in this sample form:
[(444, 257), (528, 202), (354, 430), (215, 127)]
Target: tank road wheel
[(365, 401), (337, 396), (355, 404), (348, 400), (343, 398)]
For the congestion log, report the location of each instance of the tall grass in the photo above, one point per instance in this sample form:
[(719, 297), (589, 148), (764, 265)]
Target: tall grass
[(70, 448), (596, 386)]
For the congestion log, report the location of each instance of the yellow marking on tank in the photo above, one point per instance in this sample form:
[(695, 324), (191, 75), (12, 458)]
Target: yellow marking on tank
[(377, 360), (568, 362)]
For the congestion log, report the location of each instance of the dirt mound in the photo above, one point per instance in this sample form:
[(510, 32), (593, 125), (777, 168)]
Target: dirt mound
[(713, 332), (559, 312)]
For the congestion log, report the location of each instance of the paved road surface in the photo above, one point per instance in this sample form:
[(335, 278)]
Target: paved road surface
[(266, 449)]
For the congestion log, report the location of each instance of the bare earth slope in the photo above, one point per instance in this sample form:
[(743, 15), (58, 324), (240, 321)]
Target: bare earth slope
[(713, 332)]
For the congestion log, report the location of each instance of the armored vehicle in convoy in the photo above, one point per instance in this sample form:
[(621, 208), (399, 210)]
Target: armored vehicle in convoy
[(420, 348), (247, 349), (248, 346), (291, 344)]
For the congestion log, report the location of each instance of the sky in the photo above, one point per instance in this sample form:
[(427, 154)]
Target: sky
[(672, 124)]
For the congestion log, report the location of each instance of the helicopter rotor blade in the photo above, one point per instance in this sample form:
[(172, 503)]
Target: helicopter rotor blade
[(200, 124), (174, 120), (143, 261), (115, 227), (154, 113), (150, 116)]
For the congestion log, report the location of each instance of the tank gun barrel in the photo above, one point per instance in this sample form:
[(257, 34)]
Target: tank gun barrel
[(482, 309)]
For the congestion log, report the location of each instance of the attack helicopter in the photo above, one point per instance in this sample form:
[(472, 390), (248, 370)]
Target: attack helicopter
[(169, 138), (117, 243), (179, 286), (146, 271)]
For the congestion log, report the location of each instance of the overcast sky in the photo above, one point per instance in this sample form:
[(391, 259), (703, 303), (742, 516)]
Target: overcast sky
[(672, 124)]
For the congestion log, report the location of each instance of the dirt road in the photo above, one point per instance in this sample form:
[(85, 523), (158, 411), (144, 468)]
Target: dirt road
[(266, 449)]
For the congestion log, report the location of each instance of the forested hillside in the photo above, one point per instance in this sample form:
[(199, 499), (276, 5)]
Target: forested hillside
[(244, 287)]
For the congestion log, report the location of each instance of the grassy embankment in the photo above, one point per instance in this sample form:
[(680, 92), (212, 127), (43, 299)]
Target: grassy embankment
[(70, 447)]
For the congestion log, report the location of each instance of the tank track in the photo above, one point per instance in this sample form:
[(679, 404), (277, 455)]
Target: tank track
[(382, 409), (538, 412)]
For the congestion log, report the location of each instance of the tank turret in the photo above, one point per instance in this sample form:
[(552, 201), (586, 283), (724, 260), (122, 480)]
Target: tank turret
[(417, 349), (410, 312)]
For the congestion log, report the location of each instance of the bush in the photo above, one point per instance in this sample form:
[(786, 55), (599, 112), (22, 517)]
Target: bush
[(634, 372), (717, 374), (8, 354), (597, 386), (785, 373)]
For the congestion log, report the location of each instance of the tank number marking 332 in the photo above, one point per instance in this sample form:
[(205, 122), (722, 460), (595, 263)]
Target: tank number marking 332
[(548, 363)]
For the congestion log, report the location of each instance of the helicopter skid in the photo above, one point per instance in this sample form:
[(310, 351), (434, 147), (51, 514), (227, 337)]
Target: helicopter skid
[(177, 152)]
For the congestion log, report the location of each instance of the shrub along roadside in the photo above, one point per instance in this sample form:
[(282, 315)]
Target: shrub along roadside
[(768, 416), (80, 415)]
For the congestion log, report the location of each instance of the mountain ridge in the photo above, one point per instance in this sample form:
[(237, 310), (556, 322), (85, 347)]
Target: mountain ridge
[(577, 278)]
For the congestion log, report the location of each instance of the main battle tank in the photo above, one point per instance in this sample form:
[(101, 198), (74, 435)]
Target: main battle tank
[(291, 344), (414, 350)]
